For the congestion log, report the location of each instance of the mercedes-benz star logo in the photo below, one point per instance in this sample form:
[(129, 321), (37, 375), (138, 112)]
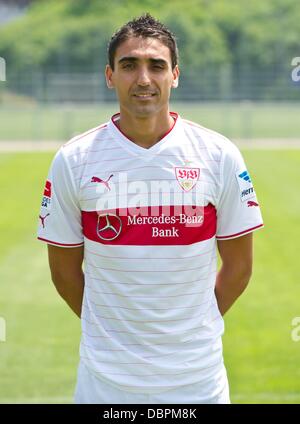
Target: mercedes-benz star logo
[(109, 226)]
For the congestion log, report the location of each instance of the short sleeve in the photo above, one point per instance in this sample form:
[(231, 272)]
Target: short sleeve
[(60, 214), (238, 210)]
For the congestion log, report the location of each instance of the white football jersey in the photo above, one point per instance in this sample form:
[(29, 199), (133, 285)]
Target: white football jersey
[(149, 220)]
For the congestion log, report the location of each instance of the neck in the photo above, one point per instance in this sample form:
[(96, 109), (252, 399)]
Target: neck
[(145, 132)]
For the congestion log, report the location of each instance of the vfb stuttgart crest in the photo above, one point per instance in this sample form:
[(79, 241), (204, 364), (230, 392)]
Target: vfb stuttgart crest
[(187, 177)]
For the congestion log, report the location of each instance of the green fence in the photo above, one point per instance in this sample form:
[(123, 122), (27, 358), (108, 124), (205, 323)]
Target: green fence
[(238, 120)]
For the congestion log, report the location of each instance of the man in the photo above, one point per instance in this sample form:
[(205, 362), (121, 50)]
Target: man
[(143, 201)]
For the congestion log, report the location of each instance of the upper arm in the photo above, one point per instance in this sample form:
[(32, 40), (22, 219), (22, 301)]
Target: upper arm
[(238, 211), (60, 215), (237, 253), (65, 262)]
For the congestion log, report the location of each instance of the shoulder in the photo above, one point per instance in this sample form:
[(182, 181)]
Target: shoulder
[(209, 138), (71, 157), (79, 145), (215, 144)]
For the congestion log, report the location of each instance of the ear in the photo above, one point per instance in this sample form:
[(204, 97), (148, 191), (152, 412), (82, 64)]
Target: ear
[(108, 76), (176, 74)]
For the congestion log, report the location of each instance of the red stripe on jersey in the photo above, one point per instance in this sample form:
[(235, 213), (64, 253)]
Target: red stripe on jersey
[(241, 233), (125, 227), (60, 244)]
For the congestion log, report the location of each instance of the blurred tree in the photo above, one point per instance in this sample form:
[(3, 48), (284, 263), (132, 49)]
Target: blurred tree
[(215, 38)]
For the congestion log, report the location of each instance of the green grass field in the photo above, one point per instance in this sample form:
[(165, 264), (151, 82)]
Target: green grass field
[(39, 358), (244, 120)]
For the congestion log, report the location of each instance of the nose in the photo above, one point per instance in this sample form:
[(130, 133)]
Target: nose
[(143, 78)]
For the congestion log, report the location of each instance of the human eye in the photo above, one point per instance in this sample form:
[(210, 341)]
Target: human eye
[(128, 66), (158, 66)]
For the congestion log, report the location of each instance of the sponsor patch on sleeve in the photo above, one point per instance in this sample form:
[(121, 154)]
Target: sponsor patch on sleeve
[(47, 195), (245, 185)]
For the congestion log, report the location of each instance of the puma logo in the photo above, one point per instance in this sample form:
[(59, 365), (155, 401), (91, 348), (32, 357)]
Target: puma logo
[(99, 180), (251, 203), (42, 218)]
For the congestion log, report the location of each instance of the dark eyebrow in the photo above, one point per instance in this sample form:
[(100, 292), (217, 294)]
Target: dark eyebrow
[(127, 59), (135, 59), (159, 61)]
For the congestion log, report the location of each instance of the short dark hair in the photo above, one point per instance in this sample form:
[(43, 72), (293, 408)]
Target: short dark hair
[(145, 26)]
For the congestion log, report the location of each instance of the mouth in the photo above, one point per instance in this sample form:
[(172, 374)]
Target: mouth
[(144, 96)]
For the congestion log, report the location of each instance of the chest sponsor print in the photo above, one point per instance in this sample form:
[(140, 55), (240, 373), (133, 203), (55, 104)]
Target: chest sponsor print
[(127, 227)]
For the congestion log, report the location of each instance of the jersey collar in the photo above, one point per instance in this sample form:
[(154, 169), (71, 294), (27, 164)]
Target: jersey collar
[(134, 148)]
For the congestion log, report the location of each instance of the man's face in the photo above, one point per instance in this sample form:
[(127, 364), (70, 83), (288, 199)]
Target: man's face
[(143, 76)]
